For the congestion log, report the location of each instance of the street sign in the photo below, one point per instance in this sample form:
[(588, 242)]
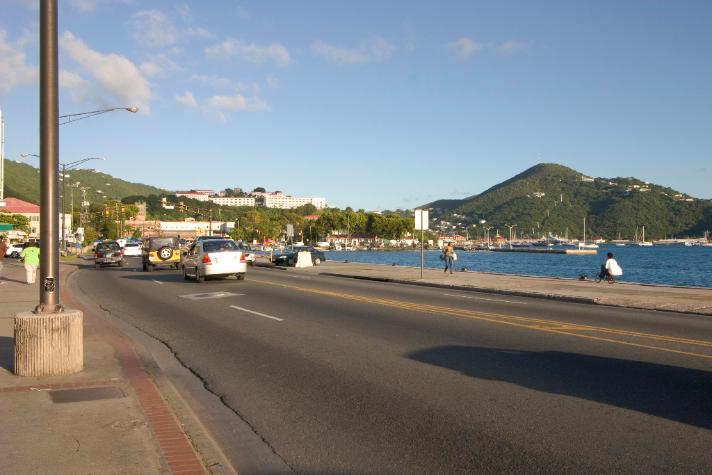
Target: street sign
[(421, 219), (290, 230)]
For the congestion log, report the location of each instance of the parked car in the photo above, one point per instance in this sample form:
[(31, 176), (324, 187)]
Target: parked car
[(288, 256), (214, 258), (14, 250), (132, 249), (160, 252), (108, 253)]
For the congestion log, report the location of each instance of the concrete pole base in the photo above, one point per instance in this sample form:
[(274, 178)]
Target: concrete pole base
[(49, 344)]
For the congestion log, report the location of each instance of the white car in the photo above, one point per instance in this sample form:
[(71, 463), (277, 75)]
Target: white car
[(214, 258), (14, 250), (132, 249)]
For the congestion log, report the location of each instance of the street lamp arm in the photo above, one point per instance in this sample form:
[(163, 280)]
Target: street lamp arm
[(79, 162), (84, 115)]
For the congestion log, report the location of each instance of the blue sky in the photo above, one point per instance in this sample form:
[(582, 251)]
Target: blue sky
[(371, 104)]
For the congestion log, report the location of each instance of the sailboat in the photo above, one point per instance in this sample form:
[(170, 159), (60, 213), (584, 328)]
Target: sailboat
[(583, 244), (643, 242)]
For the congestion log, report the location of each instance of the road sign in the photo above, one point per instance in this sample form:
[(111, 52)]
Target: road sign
[(421, 219), (290, 230)]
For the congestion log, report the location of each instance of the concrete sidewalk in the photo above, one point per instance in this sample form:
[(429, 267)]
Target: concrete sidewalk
[(109, 418), (621, 294)]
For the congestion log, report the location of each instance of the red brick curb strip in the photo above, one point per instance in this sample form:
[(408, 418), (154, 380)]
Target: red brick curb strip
[(174, 444), (175, 447)]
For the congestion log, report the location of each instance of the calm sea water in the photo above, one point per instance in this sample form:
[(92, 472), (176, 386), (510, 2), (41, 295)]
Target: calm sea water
[(669, 265)]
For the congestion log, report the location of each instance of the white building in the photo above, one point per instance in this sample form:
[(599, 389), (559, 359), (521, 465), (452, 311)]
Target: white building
[(200, 195), (233, 200), (193, 227), (280, 200)]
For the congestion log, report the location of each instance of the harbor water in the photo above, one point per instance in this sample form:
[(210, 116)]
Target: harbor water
[(666, 265)]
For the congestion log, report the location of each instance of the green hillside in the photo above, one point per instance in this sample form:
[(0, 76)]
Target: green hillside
[(551, 198), (23, 181)]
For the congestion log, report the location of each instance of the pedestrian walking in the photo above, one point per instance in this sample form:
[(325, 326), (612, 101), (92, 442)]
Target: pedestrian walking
[(3, 250), (30, 256), (448, 256)]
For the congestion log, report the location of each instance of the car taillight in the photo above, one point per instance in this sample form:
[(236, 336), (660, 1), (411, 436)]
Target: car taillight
[(206, 259), (242, 257)]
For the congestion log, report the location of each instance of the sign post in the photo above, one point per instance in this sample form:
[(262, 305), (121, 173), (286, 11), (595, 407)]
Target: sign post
[(421, 223)]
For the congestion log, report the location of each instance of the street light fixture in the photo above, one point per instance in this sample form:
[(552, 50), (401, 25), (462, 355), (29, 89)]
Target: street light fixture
[(65, 167), (84, 115)]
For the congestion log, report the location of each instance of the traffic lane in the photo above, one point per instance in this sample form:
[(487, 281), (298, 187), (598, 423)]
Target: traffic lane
[(668, 323), (654, 342), (599, 383), (641, 329)]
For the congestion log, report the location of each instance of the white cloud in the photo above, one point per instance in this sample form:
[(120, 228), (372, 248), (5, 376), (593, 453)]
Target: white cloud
[(84, 6), (275, 53), (187, 99), (199, 32), (153, 28), (116, 75), (158, 65), (14, 69), (217, 82), (238, 102), (79, 88), (464, 47), (372, 49), (272, 82), (511, 46)]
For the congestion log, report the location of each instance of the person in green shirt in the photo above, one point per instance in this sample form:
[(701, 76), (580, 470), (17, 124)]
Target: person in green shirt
[(31, 258)]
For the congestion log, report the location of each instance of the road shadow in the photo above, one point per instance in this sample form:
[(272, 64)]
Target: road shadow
[(7, 279), (674, 393), (7, 353)]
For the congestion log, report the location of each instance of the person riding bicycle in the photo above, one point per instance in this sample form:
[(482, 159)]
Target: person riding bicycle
[(610, 269)]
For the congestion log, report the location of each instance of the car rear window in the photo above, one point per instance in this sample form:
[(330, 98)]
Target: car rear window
[(131, 244), (114, 246), (215, 246), (158, 243)]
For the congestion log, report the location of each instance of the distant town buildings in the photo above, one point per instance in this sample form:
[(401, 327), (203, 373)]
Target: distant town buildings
[(275, 199)]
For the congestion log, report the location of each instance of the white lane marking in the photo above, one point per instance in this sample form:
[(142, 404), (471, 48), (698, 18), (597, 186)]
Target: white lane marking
[(159, 283), (257, 313), (209, 295), (297, 276), (483, 298)]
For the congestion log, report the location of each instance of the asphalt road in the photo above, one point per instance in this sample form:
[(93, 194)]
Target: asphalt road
[(348, 376)]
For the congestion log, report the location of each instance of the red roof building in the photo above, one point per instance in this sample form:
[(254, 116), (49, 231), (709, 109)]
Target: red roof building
[(18, 206)]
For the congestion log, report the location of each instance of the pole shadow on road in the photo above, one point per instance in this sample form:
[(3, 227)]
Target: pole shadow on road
[(677, 394), (7, 353)]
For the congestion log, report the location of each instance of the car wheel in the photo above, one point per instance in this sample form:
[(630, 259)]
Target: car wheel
[(317, 261), (15, 254), (290, 261), (185, 274), (121, 263), (147, 268), (240, 276), (198, 276)]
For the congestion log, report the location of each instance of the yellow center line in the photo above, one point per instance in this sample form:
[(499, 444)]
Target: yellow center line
[(549, 326)]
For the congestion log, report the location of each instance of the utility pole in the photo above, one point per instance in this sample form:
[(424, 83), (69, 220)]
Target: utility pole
[(49, 341)]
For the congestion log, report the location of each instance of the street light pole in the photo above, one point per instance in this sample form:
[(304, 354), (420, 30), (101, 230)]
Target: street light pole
[(49, 159)]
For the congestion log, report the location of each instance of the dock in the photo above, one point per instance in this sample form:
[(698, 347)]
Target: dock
[(578, 252)]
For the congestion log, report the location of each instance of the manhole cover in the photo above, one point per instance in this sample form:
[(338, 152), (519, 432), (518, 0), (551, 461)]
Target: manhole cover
[(87, 394)]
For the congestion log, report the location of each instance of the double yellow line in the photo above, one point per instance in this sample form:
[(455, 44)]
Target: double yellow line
[(537, 324)]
